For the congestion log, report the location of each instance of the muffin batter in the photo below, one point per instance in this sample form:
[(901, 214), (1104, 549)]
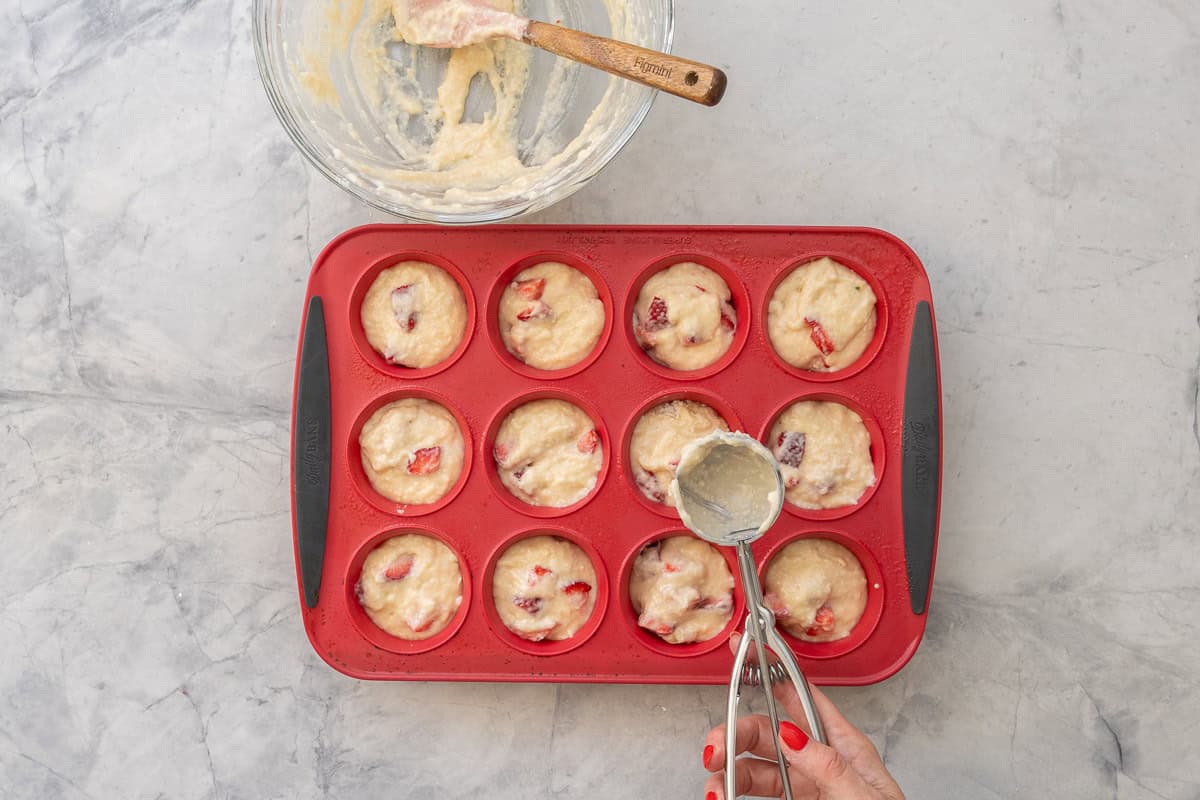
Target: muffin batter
[(817, 590), (683, 318), (411, 586), (681, 590), (548, 453), (551, 316), (821, 316), (658, 439), (414, 315), (824, 453), (412, 451), (544, 588)]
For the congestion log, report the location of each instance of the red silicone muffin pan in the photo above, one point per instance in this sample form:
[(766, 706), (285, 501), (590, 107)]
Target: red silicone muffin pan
[(338, 517)]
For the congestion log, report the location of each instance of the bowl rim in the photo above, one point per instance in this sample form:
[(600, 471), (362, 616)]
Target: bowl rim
[(283, 112)]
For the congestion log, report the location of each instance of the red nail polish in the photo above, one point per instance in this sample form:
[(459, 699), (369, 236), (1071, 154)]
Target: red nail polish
[(710, 796), (792, 736), (708, 754)]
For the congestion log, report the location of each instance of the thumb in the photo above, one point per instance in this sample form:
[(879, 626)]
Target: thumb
[(821, 764)]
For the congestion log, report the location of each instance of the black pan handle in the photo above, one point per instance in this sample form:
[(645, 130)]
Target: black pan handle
[(311, 452), (922, 457)]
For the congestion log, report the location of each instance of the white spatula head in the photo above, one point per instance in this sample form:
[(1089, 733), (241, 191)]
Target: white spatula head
[(454, 23)]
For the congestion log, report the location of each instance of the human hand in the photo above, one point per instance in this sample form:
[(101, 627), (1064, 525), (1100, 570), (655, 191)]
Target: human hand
[(848, 768)]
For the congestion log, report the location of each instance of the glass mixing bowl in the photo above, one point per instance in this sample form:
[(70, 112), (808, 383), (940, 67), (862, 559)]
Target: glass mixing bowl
[(358, 105)]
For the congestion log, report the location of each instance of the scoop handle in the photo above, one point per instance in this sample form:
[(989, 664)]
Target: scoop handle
[(690, 80)]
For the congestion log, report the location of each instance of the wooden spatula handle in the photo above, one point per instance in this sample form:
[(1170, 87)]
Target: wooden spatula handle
[(690, 80)]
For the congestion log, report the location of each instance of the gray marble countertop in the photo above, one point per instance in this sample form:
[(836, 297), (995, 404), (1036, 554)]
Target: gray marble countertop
[(1042, 157)]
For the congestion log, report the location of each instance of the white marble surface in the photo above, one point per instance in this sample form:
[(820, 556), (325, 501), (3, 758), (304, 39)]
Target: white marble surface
[(1043, 158)]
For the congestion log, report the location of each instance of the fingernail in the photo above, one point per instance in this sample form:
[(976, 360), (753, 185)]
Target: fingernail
[(708, 754), (710, 796), (792, 736)]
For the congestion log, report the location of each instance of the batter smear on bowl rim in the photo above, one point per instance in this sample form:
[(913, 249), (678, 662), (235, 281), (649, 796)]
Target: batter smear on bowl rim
[(548, 453), (684, 318), (682, 590), (551, 316), (817, 589), (414, 315), (658, 441), (412, 451), (411, 586), (822, 316), (824, 453), (544, 588)]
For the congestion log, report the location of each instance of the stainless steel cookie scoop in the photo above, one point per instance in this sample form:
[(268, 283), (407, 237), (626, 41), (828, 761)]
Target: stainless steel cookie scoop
[(729, 492)]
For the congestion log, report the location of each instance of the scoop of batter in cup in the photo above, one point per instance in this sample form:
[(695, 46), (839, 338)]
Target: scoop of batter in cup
[(684, 318), (411, 586), (682, 590), (817, 589), (544, 588)]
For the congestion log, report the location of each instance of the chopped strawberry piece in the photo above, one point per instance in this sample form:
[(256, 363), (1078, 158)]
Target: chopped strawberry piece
[(727, 322), (792, 482), (399, 568), (425, 461), (822, 622), (701, 288), (530, 604), (789, 448), (519, 472), (648, 484), (500, 453), (819, 336), (422, 626), (775, 604), (404, 306), (578, 587), (655, 625), (537, 573), (538, 310), (656, 316), (589, 442), (669, 567), (531, 289)]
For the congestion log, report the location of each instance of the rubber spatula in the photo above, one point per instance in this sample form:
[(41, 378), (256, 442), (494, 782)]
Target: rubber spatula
[(458, 23)]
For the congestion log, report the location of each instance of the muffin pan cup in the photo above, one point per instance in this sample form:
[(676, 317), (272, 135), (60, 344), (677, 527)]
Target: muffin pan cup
[(895, 387)]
